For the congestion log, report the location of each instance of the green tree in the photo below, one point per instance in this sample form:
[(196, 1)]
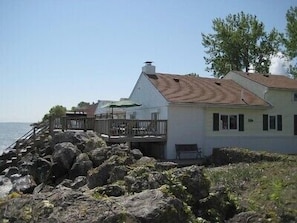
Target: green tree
[(57, 111), (238, 42), (290, 40), (80, 105), (192, 74)]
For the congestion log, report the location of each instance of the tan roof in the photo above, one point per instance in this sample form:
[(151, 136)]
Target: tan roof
[(189, 89), (270, 80)]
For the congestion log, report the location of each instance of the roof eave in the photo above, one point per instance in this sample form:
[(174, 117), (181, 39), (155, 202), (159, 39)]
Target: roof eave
[(221, 105)]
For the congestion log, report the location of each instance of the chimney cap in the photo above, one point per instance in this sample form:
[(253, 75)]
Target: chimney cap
[(148, 62)]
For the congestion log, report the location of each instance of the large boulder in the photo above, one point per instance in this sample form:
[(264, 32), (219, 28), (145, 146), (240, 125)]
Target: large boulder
[(66, 205), (42, 171), (194, 180), (142, 178), (81, 166), (63, 158), (217, 207), (154, 206), (87, 141), (98, 155), (99, 175)]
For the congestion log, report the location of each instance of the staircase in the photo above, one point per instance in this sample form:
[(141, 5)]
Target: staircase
[(29, 142)]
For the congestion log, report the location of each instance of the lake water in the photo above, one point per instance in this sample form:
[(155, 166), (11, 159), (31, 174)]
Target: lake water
[(10, 132)]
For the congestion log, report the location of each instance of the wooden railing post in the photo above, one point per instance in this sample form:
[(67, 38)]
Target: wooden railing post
[(85, 124), (51, 125)]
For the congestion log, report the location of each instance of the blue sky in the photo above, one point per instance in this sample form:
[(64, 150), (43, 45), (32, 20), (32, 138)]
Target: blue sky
[(63, 52)]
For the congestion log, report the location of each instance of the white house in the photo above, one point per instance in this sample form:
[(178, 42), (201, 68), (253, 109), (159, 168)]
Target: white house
[(253, 111)]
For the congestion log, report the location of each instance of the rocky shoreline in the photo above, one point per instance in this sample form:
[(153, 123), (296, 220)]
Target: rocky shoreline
[(75, 177)]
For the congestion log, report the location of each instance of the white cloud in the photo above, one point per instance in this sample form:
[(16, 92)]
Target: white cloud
[(279, 64)]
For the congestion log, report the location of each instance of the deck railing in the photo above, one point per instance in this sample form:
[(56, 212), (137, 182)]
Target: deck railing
[(73, 123), (131, 127), (112, 127)]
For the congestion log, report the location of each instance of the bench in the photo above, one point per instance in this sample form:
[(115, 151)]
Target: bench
[(187, 148)]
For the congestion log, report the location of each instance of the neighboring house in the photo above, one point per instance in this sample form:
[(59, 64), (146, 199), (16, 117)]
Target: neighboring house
[(102, 112), (253, 111), (91, 109)]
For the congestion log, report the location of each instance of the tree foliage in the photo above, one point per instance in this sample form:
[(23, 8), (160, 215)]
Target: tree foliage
[(238, 42), (81, 105), (290, 40), (57, 111)]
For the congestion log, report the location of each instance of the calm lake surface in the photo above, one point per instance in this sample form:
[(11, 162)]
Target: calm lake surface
[(10, 132)]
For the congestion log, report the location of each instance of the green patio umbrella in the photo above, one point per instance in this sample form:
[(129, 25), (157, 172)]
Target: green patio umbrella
[(120, 104)]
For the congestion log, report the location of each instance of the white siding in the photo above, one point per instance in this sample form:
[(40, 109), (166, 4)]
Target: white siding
[(152, 101), (253, 136), (185, 126), (283, 104), (252, 86)]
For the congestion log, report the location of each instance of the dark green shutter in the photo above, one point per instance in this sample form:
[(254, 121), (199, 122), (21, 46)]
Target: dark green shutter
[(241, 122), (295, 124), (265, 122), (216, 121), (279, 123)]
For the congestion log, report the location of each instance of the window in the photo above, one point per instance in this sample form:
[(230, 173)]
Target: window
[(233, 122), (224, 121), (154, 116), (228, 121), (295, 97), (272, 122)]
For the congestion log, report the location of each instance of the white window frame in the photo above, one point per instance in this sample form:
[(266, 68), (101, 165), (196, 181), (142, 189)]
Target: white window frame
[(229, 122)]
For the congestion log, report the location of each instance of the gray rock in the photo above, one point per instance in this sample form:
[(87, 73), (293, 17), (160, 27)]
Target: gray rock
[(78, 182), (5, 186), (111, 190), (193, 178), (162, 166), (81, 166), (155, 207), (10, 171), (99, 176), (137, 154), (42, 171), (65, 205), (98, 155), (24, 184), (63, 158), (146, 161), (249, 216), (117, 173)]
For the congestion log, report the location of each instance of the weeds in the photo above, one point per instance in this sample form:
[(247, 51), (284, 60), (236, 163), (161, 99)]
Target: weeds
[(269, 188)]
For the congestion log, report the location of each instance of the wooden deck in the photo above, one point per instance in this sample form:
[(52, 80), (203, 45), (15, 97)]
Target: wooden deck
[(116, 130)]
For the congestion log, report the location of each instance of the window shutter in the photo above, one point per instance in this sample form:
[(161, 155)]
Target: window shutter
[(295, 124), (279, 123), (216, 121), (265, 122), (241, 122)]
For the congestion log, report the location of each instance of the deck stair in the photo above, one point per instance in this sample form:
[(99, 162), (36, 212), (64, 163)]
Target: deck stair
[(25, 144)]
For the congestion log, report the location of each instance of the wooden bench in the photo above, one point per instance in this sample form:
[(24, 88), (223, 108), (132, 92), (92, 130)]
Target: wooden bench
[(187, 148)]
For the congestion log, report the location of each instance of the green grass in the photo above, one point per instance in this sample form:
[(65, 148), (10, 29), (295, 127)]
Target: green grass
[(269, 188)]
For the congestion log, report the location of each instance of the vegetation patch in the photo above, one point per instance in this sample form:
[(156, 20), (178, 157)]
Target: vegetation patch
[(268, 188)]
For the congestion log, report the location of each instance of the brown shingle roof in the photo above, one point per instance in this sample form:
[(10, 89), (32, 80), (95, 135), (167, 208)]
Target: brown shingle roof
[(271, 81), (189, 89)]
